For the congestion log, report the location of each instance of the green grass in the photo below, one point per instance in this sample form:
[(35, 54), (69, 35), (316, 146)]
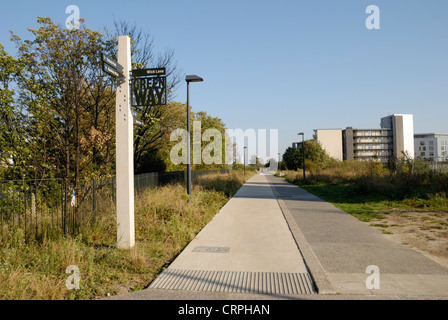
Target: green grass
[(362, 207), (370, 197)]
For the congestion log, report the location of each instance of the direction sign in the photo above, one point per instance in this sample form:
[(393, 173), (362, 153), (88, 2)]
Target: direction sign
[(149, 72), (110, 66), (110, 71), (111, 62)]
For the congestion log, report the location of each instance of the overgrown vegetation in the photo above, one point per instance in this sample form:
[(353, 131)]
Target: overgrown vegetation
[(57, 106), (165, 224), (363, 189)]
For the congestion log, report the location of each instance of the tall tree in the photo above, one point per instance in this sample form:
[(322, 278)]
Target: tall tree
[(66, 94)]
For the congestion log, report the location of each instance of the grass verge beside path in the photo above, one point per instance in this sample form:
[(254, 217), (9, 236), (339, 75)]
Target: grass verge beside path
[(165, 223), (418, 220), (370, 202)]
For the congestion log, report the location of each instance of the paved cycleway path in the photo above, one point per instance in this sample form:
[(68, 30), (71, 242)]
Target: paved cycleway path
[(273, 240), (339, 248)]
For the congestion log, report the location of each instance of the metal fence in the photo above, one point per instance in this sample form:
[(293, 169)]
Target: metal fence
[(48, 208), (155, 179), (35, 207)]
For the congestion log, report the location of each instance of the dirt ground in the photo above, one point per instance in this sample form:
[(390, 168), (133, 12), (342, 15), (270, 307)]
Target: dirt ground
[(426, 232)]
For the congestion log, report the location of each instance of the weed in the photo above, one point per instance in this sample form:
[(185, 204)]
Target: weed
[(379, 225)]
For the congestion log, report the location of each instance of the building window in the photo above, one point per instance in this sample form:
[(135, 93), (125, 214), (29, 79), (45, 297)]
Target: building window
[(422, 143), (431, 143)]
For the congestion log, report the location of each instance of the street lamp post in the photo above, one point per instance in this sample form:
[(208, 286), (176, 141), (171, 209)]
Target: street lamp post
[(191, 78), (303, 150), (279, 165), (245, 160)]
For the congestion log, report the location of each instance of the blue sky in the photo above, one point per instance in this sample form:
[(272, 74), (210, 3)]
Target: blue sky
[(291, 65)]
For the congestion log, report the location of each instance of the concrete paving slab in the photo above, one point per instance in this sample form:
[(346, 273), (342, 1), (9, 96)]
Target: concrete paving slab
[(246, 248), (252, 226)]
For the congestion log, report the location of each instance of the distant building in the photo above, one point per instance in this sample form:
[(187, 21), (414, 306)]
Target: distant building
[(296, 145), (331, 141), (402, 126), (368, 144), (431, 146), (394, 139)]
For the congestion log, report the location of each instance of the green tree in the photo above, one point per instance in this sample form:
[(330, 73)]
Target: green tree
[(314, 153), (292, 158), (207, 147), (174, 117), (68, 98), (15, 154)]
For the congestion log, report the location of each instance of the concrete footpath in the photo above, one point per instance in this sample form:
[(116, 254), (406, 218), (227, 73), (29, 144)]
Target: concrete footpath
[(273, 240)]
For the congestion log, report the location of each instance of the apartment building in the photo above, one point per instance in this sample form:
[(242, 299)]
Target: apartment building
[(431, 146), (368, 144), (393, 139)]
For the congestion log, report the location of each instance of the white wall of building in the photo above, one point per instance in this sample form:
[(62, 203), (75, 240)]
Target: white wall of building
[(331, 141), (432, 146), (408, 134)]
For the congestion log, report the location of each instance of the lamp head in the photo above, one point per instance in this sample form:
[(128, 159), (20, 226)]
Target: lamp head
[(193, 78)]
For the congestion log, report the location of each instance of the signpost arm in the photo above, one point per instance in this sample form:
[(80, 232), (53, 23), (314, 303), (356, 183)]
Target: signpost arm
[(125, 150)]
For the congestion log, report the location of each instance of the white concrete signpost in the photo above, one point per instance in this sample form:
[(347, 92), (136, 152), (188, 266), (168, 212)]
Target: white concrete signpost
[(125, 149), (149, 88)]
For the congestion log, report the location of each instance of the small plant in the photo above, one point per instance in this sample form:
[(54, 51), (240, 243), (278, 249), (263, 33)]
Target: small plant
[(379, 225)]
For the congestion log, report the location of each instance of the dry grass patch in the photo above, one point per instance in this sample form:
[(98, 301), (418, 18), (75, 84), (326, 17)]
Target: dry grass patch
[(426, 232), (165, 223)]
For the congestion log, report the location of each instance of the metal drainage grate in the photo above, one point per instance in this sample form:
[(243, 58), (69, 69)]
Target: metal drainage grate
[(235, 281), (212, 249)]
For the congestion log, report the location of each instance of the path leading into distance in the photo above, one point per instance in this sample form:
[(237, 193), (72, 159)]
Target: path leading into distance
[(273, 240)]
